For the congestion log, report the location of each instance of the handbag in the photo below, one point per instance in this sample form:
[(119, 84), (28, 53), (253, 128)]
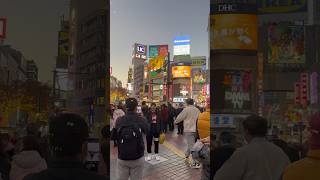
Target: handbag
[(162, 138)]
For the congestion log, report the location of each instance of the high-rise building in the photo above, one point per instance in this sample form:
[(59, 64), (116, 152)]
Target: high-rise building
[(88, 57), (139, 56)]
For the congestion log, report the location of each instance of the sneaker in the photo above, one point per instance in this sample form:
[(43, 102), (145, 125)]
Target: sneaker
[(195, 166), (149, 157), (157, 157)]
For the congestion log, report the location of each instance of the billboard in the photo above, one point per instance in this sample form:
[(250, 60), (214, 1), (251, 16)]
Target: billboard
[(280, 6), (198, 75), (233, 91), (233, 6), (181, 45), (233, 31), (181, 72), (63, 43), (198, 61), (3, 28), (158, 50), (139, 51), (286, 44)]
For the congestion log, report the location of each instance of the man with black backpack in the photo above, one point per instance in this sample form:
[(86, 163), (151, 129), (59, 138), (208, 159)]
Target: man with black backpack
[(130, 129)]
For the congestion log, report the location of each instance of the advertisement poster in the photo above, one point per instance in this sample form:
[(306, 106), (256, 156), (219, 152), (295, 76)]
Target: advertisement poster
[(286, 44), (198, 76), (181, 71), (63, 43), (281, 6), (233, 31), (232, 91)]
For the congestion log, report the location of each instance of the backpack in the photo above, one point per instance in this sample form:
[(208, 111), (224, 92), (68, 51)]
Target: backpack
[(130, 142)]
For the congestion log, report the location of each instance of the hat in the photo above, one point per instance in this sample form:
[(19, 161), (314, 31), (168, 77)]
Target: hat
[(314, 129), (67, 133), (131, 103)]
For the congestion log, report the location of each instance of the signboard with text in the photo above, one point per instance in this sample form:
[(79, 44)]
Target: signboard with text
[(139, 52), (233, 32), (281, 6), (181, 45), (233, 7), (232, 91), (63, 43)]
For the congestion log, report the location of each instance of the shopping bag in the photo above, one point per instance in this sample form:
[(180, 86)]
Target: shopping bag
[(162, 138)]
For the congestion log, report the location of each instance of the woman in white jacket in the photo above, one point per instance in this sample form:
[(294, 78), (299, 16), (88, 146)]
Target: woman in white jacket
[(28, 160), (119, 112)]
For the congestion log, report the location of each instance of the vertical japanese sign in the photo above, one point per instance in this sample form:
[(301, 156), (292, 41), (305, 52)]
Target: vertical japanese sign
[(260, 84), (91, 115), (304, 80), (314, 88), (3, 28), (297, 93)]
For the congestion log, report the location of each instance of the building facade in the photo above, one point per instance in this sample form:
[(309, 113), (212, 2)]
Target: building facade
[(32, 70)]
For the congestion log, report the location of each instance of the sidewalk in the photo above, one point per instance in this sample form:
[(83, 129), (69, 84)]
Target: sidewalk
[(172, 165)]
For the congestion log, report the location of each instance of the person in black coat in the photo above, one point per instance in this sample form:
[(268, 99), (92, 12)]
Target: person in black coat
[(180, 124), (155, 124)]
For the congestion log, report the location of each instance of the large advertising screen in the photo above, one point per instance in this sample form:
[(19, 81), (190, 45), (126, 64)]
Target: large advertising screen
[(233, 31), (139, 51), (232, 91), (158, 55), (280, 6), (181, 72), (286, 43), (181, 45), (198, 75)]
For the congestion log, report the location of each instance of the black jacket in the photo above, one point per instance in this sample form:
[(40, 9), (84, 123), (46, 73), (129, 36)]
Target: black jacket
[(4, 166), (159, 120), (65, 170)]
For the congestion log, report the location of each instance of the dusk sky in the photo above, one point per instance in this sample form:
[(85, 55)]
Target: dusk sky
[(33, 27), (155, 22)]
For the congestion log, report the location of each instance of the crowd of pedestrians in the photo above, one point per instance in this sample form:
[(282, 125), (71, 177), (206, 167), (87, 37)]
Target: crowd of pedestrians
[(59, 155)]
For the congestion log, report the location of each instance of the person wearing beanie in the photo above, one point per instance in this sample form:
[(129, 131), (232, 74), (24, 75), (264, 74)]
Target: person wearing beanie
[(68, 135), (308, 168)]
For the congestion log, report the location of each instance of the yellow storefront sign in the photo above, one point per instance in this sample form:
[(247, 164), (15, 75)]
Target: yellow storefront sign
[(233, 31)]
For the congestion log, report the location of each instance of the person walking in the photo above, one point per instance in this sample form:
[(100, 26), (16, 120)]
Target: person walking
[(172, 116), (28, 160), (155, 124), (223, 152), (165, 116), (130, 129), (180, 124), (308, 168), (258, 160), (68, 134), (189, 117)]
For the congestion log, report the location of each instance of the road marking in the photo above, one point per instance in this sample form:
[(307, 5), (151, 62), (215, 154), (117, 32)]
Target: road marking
[(174, 149)]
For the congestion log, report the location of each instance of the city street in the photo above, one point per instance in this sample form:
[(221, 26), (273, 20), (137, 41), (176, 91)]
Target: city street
[(172, 165)]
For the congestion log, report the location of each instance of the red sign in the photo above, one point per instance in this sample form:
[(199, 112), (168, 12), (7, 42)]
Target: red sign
[(297, 93), (3, 28), (163, 50)]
